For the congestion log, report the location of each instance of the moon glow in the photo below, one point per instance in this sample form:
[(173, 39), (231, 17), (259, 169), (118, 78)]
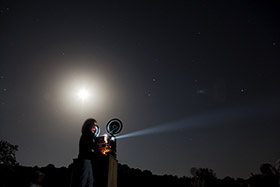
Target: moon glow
[(83, 94)]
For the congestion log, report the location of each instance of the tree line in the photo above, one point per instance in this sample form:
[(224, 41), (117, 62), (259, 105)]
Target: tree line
[(13, 175)]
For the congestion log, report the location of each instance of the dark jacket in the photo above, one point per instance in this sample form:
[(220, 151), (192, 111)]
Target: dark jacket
[(87, 146)]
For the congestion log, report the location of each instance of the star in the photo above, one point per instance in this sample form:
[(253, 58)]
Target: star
[(243, 90)]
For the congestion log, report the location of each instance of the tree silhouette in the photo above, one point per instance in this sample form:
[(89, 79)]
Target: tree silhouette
[(203, 177), (8, 153)]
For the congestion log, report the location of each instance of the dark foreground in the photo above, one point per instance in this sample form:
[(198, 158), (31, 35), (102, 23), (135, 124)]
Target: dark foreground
[(128, 177)]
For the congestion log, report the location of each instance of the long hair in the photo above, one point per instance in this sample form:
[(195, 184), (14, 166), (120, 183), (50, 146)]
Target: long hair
[(88, 124)]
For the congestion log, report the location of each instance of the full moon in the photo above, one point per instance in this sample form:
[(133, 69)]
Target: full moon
[(83, 94)]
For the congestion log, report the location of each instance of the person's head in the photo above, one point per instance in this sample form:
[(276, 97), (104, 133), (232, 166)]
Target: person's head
[(89, 126)]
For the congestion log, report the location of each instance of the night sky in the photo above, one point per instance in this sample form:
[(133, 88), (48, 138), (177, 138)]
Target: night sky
[(200, 77)]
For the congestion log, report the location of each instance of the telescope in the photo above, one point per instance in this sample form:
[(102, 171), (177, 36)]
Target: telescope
[(106, 144)]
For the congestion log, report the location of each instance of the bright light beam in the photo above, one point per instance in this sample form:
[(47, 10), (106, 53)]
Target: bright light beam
[(218, 117)]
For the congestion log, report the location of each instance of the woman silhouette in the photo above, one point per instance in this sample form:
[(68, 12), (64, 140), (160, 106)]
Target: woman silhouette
[(87, 152)]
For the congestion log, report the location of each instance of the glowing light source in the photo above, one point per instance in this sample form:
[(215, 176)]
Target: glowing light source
[(83, 94)]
